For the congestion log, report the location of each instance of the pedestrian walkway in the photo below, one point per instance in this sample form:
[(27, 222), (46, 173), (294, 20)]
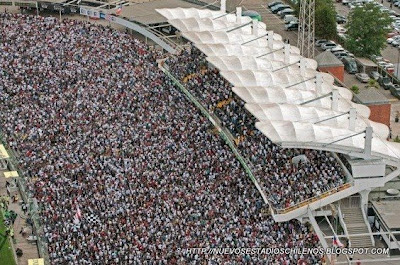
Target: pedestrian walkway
[(20, 240)]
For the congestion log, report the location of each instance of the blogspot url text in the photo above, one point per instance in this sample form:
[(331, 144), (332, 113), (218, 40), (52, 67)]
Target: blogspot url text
[(280, 251)]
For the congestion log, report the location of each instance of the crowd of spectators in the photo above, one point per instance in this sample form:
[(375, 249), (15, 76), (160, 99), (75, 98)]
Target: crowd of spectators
[(125, 169), (285, 183)]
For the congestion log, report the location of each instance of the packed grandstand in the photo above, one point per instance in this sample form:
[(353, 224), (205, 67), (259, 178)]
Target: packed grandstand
[(101, 129)]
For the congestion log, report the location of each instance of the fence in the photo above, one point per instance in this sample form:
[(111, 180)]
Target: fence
[(224, 135), (34, 209), (222, 131), (313, 199)]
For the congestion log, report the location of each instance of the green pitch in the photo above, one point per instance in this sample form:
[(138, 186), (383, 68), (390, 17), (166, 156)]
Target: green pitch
[(6, 255)]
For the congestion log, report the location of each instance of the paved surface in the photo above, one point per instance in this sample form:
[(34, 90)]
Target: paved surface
[(29, 250)]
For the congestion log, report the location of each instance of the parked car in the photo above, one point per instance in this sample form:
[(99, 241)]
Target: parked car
[(274, 4), (363, 77), (277, 8), (389, 40), (289, 18), (385, 82), (286, 11), (341, 55), (375, 75), (338, 48), (292, 26), (318, 43), (328, 45), (395, 90), (385, 65), (350, 65), (340, 19), (395, 43), (376, 58)]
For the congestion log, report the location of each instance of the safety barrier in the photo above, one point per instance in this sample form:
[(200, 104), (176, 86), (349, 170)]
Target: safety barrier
[(28, 198), (311, 200), (222, 131), (224, 134)]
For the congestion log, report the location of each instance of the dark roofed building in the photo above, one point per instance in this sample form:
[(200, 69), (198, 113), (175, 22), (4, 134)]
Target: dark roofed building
[(328, 63), (377, 102)]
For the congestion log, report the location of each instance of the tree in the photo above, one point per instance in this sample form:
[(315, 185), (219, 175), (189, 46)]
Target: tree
[(367, 28), (325, 19), (355, 89), (373, 83)]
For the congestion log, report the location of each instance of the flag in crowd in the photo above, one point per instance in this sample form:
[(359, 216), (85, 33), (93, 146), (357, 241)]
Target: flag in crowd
[(78, 215)]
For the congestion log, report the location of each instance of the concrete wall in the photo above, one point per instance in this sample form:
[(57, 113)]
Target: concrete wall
[(380, 113), (337, 71)]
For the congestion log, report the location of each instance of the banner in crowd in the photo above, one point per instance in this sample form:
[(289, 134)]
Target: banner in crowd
[(89, 12), (108, 17)]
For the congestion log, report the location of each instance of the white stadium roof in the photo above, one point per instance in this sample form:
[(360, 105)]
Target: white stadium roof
[(294, 113), (207, 24), (234, 63), (280, 87), (246, 50), (248, 78), (261, 95), (206, 37), (321, 137), (183, 13)]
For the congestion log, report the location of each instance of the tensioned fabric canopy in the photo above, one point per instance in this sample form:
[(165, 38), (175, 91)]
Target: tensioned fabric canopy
[(182, 13), (275, 54), (321, 136), (207, 37), (236, 63), (268, 80), (206, 24), (292, 112), (290, 102), (280, 77), (295, 96)]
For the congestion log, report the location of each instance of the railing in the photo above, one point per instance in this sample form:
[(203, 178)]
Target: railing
[(28, 198), (222, 131), (343, 224), (311, 200), (224, 134)]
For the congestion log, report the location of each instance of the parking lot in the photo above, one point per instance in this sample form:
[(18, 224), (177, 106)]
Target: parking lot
[(275, 23)]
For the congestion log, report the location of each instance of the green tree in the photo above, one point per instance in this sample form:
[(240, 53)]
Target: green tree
[(325, 19), (355, 89), (367, 28)]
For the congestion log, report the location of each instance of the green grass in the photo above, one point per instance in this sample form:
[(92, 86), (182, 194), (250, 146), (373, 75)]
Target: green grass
[(6, 254)]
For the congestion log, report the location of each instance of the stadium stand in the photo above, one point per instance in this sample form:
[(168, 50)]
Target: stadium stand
[(122, 164), (287, 184)]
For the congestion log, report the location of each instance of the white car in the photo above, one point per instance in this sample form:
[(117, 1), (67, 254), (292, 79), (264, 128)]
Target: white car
[(338, 48), (340, 29), (328, 45), (363, 77)]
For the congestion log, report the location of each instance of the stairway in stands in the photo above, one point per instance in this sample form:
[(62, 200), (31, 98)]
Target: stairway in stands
[(353, 217)]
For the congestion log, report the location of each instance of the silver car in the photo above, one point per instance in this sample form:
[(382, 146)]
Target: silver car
[(363, 77)]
